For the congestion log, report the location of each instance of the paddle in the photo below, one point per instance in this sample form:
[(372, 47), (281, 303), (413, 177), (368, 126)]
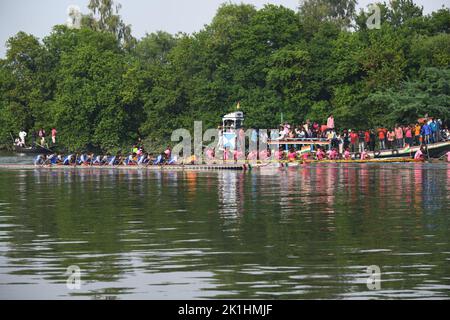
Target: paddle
[(12, 138), (442, 158), (44, 147)]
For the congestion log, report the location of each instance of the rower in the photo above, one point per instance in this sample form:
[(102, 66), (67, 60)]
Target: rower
[(52, 159), (420, 154), (292, 155), (142, 159), (112, 161), (365, 155), (40, 160), (347, 154), (83, 159), (68, 160), (131, 160), (97, 160), (334, 154), (105, 160)]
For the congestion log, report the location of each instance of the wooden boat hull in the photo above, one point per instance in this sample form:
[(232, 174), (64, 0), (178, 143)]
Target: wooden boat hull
[(435, 150), (285, 164), (128, 168), (36, 150)]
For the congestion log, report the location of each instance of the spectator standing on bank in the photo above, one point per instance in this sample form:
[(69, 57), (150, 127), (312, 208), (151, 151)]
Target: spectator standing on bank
[(54, 132), (330, 123), (42, 136), (22, 136)]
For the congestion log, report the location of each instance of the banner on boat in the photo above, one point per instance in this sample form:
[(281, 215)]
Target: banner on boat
[(229, 140)]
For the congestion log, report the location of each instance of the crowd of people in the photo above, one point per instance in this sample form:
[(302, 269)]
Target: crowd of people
[(427, 131), (347, 144), (353, 144), (38, 138)]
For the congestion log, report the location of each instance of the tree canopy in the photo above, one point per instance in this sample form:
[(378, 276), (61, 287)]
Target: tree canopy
[(103, 89)]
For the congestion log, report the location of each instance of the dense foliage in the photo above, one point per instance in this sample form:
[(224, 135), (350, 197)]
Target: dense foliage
[(103, 89)]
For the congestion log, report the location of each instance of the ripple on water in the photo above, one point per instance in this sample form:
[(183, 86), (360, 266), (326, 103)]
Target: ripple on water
[(309, 232)]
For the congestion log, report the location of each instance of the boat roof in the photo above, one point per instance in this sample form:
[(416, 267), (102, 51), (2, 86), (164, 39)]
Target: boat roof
[(239, 115)]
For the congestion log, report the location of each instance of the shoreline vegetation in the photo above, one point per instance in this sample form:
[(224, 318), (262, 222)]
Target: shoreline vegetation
[(104, 90)]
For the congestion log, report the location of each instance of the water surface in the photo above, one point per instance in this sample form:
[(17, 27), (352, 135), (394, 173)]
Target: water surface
[(302, 233)]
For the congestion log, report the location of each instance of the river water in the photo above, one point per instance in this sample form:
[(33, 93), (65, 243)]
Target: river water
[(300, 233)]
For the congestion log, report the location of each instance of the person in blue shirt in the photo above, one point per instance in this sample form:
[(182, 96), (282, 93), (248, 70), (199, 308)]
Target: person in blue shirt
[(39, 160), (433, 127), (426, 132)]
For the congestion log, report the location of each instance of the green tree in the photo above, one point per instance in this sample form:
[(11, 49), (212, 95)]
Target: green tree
[(105, 17), (314, 13)]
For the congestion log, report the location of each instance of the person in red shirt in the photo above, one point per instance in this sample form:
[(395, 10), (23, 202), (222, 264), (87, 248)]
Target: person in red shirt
[(354, 141), (367, 137), (382, 138)]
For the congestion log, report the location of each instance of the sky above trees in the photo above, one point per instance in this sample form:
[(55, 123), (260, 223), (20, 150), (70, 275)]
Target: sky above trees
[(38, 17)]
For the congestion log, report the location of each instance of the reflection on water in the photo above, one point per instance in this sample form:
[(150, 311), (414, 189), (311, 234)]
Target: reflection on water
[(307, 232)]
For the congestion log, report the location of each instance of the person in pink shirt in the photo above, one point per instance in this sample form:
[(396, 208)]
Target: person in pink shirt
[(316, 126), (286, 129), (408, 136), (320, 154), (238, 155), (252, 156), (292, 156), (54, 132), (390, 139), (226, 154), (264, 155), (347, 155), (209, 154), (448, 156), (420, 155), (278, 155), (334, 154), (399, 136), (168, 153), (330, 122)]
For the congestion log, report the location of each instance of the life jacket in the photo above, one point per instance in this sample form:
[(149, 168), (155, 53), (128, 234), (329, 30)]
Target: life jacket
[(53, 159), (112, 161), (292, 156), (38, 160), (67, 159)]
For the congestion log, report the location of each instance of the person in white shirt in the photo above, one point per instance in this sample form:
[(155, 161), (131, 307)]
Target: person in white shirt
[(22, 135)]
